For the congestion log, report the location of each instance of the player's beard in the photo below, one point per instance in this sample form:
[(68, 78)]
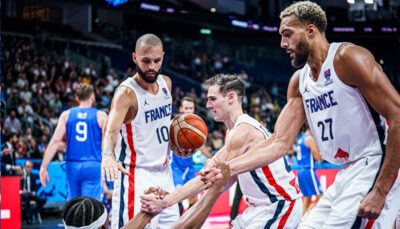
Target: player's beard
[(301, 53), (146, 78)]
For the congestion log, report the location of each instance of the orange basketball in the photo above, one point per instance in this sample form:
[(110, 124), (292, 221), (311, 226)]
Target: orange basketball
[(188, 131)]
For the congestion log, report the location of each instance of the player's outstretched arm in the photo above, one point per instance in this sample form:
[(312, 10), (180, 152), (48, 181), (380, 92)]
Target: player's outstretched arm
[(237, 142), (197, 214), (51, 149), (143, 218), (123, 100), (287, 126), (356, 66)]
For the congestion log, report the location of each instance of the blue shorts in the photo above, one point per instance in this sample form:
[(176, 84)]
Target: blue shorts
[(309, 183), (84, 179), (182, 175)]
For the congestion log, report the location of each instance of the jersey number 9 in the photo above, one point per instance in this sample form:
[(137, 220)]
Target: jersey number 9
[(81, 130)]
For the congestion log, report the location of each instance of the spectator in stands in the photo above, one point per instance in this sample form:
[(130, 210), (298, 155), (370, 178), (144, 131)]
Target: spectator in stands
[(13, 100), (21, 147), (274, 90), (28, 193), (33, 150), (25, 111), (56, 104), (8, 167), (12, 123), (215, 140)]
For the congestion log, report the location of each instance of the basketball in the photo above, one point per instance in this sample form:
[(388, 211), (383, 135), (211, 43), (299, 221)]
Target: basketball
[(188, 131)]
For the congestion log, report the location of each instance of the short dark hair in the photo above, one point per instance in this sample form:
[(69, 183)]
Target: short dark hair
[(188, 99), (82, 211), (84, 91), (228, 83), (148, 39), (11, 135)]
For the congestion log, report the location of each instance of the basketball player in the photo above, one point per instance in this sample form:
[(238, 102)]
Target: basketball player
[(307, 154), (137, 135), (86, 212), (182, 167), (271, 191), (83, 127), (341, 91)]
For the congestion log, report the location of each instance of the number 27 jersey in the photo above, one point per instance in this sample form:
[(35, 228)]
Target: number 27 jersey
[(343, 124)]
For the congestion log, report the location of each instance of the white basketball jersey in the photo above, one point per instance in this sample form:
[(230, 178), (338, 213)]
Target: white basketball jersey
[(343, 124), (270, 183), (144, 142)]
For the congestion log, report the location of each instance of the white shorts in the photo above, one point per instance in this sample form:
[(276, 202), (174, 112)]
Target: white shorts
[(339, 206), (126, 196), (397, 223), (281, 214)]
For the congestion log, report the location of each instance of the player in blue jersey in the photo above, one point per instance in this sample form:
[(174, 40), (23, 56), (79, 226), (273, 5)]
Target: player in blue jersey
[(83, 126), (307, 154), (182, 168)]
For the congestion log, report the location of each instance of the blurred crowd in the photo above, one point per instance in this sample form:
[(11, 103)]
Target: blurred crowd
[(38, 85)]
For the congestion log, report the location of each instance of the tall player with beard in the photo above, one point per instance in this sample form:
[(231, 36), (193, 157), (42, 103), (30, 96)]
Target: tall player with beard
[(136, 141), (341, 91)]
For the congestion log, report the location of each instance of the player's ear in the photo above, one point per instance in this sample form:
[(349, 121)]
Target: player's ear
[(134, 57), (311, 30), (231, 96)]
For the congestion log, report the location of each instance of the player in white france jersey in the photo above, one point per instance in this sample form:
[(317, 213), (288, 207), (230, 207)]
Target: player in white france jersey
[(137, 135), (340, 91), (271, 192)]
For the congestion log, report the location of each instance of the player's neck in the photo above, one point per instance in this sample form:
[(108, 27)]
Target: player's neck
[(233, 117), (85, 104), (149, 87), (317, 56)]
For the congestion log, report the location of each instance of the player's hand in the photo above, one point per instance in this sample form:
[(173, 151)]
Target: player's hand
[(152, 203), (181, 152), (220, 184), (210, 173), (110, 167), (7, 151), (372, 204), (44, 176), (157, 191)]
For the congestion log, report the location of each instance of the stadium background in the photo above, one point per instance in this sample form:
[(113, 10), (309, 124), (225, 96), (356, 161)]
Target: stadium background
[(49, 47)]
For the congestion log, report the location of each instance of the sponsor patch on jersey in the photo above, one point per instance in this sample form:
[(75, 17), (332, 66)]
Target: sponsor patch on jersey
[(165, 93), (327, 75)]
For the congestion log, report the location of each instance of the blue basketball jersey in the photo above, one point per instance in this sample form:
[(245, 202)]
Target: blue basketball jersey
[(83, 135), (304, 156), (181, 161)]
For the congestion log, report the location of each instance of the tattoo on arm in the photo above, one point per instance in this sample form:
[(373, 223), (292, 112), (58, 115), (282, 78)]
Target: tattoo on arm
[(109, 142)]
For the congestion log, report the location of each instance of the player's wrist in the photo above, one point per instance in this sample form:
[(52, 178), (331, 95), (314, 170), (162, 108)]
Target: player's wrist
[(168, 201), (107, 153)]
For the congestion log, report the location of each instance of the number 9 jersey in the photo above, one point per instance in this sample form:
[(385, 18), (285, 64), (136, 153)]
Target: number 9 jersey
[(343, 124), (83, 135)]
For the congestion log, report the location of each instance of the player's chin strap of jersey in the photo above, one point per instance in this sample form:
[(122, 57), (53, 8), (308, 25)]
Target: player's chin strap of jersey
[(96, 224)]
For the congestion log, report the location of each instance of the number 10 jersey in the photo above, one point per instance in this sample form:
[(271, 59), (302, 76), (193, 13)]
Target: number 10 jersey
[(344, 125), (144, 142)]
